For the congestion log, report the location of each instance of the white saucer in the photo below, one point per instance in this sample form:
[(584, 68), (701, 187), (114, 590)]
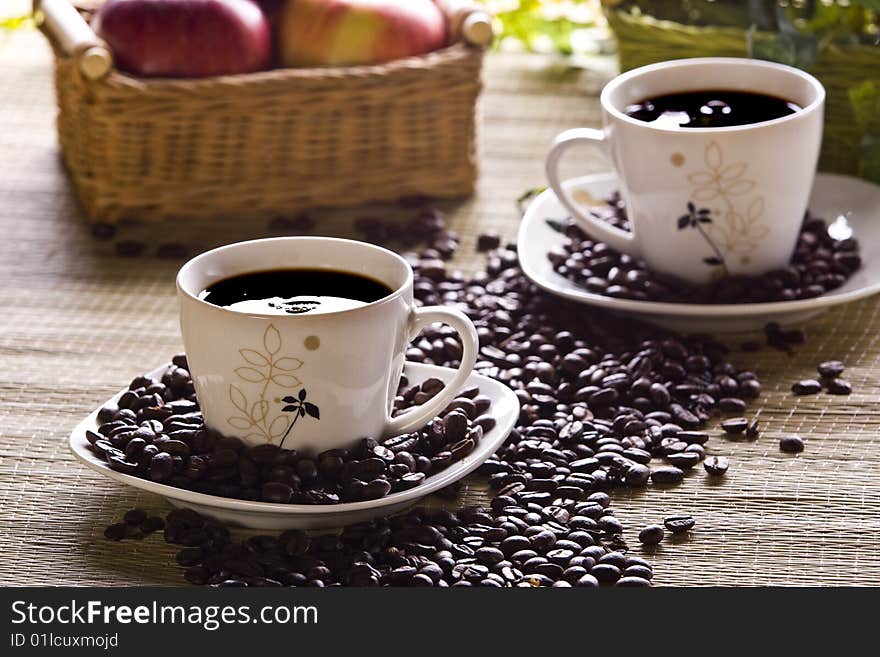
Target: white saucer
[(270, 516), (834, 196)]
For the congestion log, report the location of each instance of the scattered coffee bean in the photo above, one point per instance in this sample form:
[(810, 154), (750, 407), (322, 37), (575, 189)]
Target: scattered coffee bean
[(716, 465), (838, 387), (651, 535), (116, 532), (735, 425), (830, 369), (135, 516), (665, 475), (130, 248), (679, 524), (753, 431), (488, 241), (791, 444), (806, 387)]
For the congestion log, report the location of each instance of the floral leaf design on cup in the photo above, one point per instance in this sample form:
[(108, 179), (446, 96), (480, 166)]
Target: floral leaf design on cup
[(266, 367), (734, 230), (300, 408)]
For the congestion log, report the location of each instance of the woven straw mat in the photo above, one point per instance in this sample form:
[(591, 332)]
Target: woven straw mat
[(78, 323)]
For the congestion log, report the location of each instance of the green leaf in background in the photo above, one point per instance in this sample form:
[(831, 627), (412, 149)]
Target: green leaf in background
[(540, 23), (15, 22)]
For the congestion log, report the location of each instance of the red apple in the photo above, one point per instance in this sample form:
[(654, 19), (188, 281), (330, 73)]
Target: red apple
[(185, 38), (351, 32)]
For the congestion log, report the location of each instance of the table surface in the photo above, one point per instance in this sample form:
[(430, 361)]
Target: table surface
[(78, 323)]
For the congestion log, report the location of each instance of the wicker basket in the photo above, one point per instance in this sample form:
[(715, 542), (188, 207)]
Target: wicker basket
[(644, 40), (266, 143)]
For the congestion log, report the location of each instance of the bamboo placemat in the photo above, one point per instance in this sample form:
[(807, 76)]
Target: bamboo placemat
[(78, 323)]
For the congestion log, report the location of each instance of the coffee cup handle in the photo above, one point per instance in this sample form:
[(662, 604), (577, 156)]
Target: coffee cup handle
[(620, 240), (421, 415)]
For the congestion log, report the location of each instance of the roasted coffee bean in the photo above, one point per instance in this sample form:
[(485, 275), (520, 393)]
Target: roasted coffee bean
[(831, 369), (632, 581), (161, 466), (791, 444), (838, 387), (752, 430), (277, 492), (735, 425), (135, 516), (732, 405), (651, 535), (679, 524), (488, 241), (806, 387), (605, 572), (684, 459), (665, 475), (692, 437), (116, 532), (716, 465)]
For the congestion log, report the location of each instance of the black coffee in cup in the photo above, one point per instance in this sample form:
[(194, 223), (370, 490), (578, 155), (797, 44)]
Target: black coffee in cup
[(710, 109), (294, 291)]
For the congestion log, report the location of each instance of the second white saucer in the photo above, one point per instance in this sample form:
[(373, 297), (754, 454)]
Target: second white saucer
[(851, 201)]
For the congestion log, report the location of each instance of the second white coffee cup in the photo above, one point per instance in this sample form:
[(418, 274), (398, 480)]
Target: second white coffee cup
[(704, 202)]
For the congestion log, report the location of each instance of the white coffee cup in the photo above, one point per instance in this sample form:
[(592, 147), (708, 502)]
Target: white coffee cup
[(309, 382), (751, 181)]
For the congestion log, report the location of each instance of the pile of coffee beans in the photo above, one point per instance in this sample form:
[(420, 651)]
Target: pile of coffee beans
[(136, 524), (820, 264), (155, 432), (560, 546), (605, 402), (829, 372)]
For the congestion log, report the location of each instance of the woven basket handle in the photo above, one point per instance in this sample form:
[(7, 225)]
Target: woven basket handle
[(76, 39), (467, 22)]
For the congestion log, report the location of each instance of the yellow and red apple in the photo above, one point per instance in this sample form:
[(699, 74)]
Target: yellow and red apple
[(353, 32)]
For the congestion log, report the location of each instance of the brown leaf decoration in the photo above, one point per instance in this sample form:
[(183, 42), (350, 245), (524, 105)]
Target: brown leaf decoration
[(250, 375), (240, 422), (701, 178), (272, 340), (705, 194), (732, 171), (288, 364), (278, 427), (236, 396), (259, 410), (739, 187), (713, 155), (286, 380), (253, 357), (755, 209), (759, 232)]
